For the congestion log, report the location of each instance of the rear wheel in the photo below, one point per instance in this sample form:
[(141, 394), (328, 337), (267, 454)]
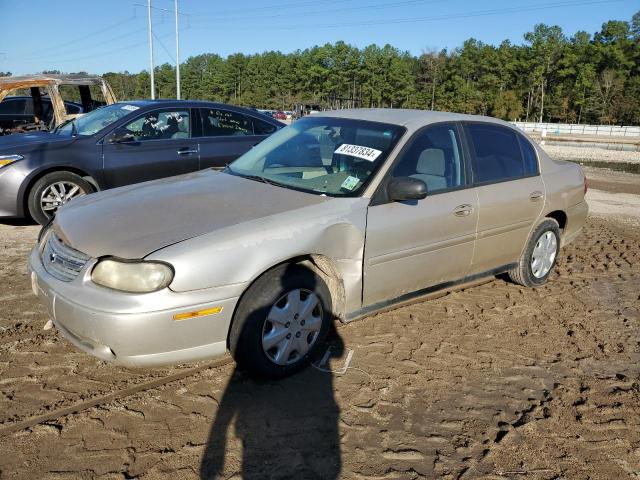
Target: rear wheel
[(281, 322), (539, 256), (54, 190)]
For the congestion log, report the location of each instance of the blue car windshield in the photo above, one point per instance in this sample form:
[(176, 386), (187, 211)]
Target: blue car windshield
[(321, 155), (94, 121)]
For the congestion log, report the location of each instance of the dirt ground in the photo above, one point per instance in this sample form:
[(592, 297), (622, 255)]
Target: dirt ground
[(495, 381)]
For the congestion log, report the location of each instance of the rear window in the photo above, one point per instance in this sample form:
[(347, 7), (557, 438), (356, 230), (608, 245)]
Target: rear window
[(497, 153)]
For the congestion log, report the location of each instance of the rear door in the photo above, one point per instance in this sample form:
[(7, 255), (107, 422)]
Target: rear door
[(162, 146), (225, 135), (510, 194), (413, 245)]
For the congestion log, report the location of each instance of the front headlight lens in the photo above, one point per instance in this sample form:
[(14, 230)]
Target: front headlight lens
[(7, 159), (133, 277)]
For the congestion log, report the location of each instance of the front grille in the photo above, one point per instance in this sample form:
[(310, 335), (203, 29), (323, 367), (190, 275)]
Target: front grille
[(61, 261)]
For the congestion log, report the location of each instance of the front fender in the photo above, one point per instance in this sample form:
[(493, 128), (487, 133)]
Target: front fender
[(241, 253)]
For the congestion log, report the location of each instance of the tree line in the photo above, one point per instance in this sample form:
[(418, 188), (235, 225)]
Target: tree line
[(551, 77)]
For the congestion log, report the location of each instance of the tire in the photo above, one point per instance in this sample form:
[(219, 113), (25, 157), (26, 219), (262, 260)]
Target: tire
[(544, 243), (55, 180), (267, 312)]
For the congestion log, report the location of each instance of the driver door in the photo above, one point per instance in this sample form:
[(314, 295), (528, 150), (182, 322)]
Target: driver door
[(162, 146), (413, 245)]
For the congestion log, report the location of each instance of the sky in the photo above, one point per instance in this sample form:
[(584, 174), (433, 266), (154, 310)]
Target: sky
[(102, 36)]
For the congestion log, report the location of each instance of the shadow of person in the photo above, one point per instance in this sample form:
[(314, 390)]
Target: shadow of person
[(287, 428)]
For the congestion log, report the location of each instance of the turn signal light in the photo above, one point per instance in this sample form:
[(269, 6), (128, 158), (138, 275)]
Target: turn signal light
[(198, 313)]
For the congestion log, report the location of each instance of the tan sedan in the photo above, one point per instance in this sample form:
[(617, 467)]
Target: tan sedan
[(339, 215)]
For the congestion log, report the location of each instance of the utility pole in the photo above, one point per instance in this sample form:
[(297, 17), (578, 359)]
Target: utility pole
[(177, 53), (153, 82)]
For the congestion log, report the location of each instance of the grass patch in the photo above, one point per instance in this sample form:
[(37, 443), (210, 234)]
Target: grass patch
[(627, 167)]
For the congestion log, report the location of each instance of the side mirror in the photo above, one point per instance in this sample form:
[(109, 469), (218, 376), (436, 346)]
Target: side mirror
[(406, 188), (121, 135)]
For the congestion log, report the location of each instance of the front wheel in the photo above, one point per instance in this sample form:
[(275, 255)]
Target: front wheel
[(52, 191), (281, 322), (539, 256)]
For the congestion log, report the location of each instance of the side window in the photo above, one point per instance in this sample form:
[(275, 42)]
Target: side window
[(529, 156), (262, 128), (163, 125), (497, 153), (47, 112), (72, 108), (435, 157), (12, 106), (217, 123)]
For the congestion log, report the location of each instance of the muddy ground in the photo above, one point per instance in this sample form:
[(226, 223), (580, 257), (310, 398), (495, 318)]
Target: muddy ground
[(495, 381)]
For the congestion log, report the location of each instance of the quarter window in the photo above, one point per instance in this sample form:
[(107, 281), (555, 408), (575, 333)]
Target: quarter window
[(262, 128), (497, 153), (434, 156), (219, 123), (529, 156), (164, 125)]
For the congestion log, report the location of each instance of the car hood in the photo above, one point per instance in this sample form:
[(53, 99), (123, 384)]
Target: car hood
[(23, 142), (134, 221)]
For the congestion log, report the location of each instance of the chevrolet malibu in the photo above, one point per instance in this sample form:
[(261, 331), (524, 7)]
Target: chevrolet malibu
[(339, 215)]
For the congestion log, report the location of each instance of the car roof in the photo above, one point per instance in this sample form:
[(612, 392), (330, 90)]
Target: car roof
[(197, 103), (411, 119)]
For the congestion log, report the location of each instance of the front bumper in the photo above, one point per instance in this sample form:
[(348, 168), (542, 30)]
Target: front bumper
[(135, 330)]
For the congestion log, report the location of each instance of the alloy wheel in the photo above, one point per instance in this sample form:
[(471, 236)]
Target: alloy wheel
[(57, 194)]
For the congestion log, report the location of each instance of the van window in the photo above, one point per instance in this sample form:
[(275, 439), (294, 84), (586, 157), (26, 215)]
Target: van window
[(497, 153)]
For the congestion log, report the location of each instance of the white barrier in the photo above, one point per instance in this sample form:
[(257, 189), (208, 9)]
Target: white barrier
[(567, 128)]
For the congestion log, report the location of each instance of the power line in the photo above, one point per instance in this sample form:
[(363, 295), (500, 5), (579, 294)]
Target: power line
[(83, 37), (166, 50), (500, 11), (120, 50), (22, 59), (375, 6), (267, 8)]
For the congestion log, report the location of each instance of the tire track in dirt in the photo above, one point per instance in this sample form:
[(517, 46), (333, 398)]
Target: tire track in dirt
[(497, 381)]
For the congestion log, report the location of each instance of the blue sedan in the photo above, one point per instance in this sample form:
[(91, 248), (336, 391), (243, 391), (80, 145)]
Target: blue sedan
[(121, 144)]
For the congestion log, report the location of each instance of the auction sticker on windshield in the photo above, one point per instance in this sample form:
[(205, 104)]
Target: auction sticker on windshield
[(358, 151), (350, 183)]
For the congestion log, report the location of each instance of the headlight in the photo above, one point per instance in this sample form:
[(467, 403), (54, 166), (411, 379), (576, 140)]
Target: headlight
[(134, 277), (7, 159)]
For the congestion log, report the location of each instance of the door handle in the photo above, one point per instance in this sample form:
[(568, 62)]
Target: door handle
[(535, 196), (463, 210), (186, 151)]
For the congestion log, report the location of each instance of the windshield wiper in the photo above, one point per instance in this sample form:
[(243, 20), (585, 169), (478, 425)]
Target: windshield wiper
[(257, 178), (55, 130)]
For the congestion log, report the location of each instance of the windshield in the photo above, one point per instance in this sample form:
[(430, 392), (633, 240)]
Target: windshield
[(325, 155), (95, 120)]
